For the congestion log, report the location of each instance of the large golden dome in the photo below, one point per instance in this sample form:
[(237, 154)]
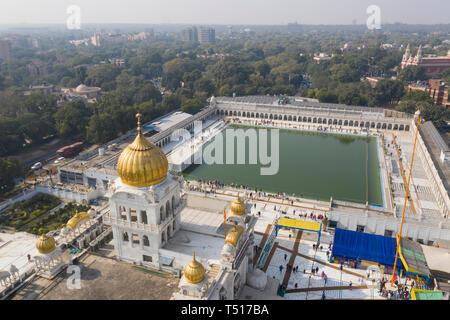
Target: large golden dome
[(194, 272), (45, 244), (238, 207), (142, 164)]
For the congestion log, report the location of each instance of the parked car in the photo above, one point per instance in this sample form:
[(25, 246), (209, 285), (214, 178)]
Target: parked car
[(36, 166), (59, 160)]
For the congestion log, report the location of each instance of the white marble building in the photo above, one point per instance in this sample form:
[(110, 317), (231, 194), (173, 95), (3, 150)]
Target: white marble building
[(146, 215)]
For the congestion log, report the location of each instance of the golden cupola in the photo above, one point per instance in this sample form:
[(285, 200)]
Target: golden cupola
[(45, 244), (238, 207), (77, 218), (234, 235), (142, 164), (194, 272)]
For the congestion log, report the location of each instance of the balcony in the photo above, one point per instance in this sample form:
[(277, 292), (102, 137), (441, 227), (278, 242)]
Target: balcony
[(108, 220), (133, 225)]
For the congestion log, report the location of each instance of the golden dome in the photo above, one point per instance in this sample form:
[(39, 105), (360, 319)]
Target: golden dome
[(238, 207), (45, 244), (194, 272), (142, 164), (77, 218), (234, 235)]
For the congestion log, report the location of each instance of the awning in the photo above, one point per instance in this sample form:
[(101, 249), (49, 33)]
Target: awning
[(166, 261), (299, 224), (364, 246), (412, 257), (418, 294)]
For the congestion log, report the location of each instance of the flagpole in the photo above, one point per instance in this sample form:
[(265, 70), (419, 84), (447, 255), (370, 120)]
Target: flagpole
[(224, 223), (404, 205)]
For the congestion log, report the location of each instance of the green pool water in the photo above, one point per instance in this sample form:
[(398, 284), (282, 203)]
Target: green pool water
[(316, 165)]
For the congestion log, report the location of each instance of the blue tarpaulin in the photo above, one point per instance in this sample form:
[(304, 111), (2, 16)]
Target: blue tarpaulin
[(364, 246)]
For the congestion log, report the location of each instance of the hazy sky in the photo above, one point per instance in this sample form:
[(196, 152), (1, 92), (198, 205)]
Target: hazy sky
[(225, 11)]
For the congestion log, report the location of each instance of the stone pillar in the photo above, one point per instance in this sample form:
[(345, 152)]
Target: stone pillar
[(139, 217), (141, 242)]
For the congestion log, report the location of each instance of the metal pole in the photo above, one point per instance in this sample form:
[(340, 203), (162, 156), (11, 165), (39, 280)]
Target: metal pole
[(404, 205)]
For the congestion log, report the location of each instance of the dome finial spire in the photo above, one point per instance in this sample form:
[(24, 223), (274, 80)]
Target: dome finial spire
[(139, 128)]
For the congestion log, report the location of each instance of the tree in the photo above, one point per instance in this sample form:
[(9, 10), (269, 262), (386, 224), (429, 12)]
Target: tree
[(192, 106), (412, 74), (263, 68), (10, 168), (71, 119), (171, 102), (101, 129), (327, 96), (387, 91), (439, 115), (102, 76), (204, 85)]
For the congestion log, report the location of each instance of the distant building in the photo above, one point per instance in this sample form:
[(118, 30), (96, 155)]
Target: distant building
[(207, 35), (141, 36), (321, 57), (43, 88), (5, 49), (117, 62), (437, 90), (83, 92), (95, 40), (431, 64), (189, 34), (37, 68)]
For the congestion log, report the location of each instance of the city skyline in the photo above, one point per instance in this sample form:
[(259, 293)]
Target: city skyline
[(233, 12)]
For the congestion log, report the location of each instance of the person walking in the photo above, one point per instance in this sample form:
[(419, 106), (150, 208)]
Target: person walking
[(350, 285), (281, 268), (285, 257)]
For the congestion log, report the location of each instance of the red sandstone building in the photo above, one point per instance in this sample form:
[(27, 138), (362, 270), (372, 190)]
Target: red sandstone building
[(437, 90), (431, 64)]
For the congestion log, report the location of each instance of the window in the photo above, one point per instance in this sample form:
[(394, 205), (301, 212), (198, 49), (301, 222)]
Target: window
[(144, 216), (146, 241), (123, 212), (125, 236), (147, 258), (388, 233), (135, 238), (332, 224), (92, 182), (133, 215), (360, 228)]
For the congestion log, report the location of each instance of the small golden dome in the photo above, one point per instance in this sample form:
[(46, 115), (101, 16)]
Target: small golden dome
[(238, 207), (45, 244), (142, 164), (234, 235), (77, 218), (194, 272)]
